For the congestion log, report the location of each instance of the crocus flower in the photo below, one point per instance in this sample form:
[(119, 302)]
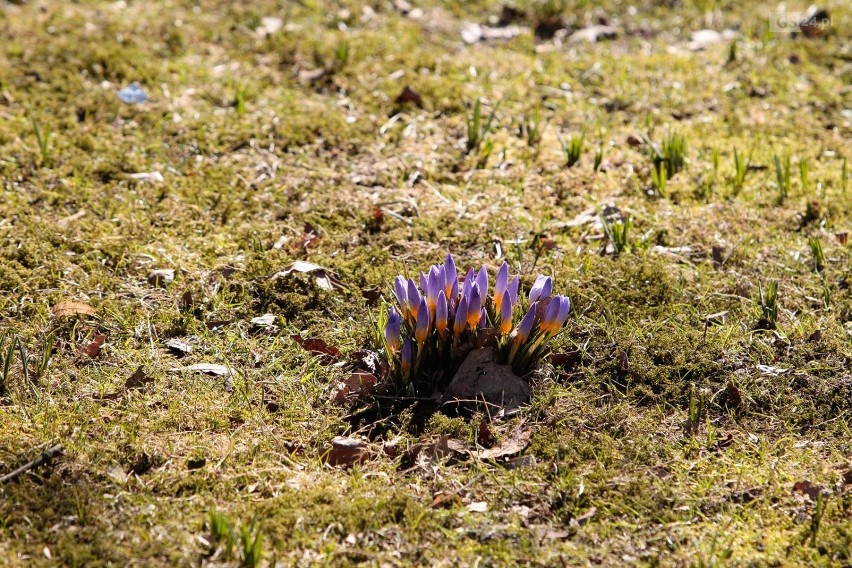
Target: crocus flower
[(469, 281), (555, 316), (505, 314), (434, 284), (501, 284), (524, 328), (400, 289), (483, 318), (460, 321), (406, 356), (421, 329), (474, 304), (393, 328), (451, 277), (441, 314), (513, 290), (413, 298), (424, 282), (542, 287), (482, 281)]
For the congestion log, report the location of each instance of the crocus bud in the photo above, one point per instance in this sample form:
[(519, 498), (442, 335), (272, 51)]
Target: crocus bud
[(424, 281), (441, 314), (406, 357), (434, 284), (482, 281), (542, 288), (501, 284), (469, 280), (505, 314), (524, 328), (513, 290), (421, 329), (451, 277), (555, 316), (483, 318), (460, 321), (413, 298), (393, 328), (400, 290), (474, 304)]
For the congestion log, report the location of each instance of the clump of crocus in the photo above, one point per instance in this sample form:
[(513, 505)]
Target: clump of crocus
[(433, 323)]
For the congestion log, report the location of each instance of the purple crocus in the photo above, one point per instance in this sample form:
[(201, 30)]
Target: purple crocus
[(501, 284), (542, 288), (400, 290), (441, 314), (413, 298), (434, 284), (483, 318), (424, 281), (505, 314), (513, 290), (393, 328), (451, 277), (406, 356), (482, 281), (474, 304), (555, 316), (469, 280), (524, 329), (421, 329), (460, 321)]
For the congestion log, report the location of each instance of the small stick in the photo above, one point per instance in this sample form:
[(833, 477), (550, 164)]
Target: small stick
[(45, 458)]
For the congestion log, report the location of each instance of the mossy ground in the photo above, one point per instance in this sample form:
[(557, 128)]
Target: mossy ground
[(255, 145)]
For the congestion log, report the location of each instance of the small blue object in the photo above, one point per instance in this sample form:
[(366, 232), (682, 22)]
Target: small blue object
[(132, 94)]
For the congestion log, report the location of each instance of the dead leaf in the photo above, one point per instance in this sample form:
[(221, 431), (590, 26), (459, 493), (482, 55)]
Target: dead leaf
[(585, 517), (510, 445), (179, 347), (354, 385), (206, 368), (186, 301), (481, 377), (445, 500), (372, 295), (429, 451), (623, 360), (346, 451), (311, 75), (807, 488), (138, 379), (847, 477), (477, 507), (318, 347), (370, 361), (93, 349), (842, 237), (70, 308), (215, 324), (567, 360), (308, 239), (325, 279), (160, 278), (142, 464), (484, 437), (733, 397), (409, 95), (265, 321)]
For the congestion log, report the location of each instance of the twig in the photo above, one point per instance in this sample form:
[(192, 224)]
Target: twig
[(45, 458)]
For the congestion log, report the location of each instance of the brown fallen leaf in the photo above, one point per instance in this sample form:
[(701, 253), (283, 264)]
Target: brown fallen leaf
[(409, 95), (445, 500), (567, 360), (733, 397), (512, 444), (138, 379), (484, 437), (325, 279), (847, 477), (372, 295), (585, 517), (355, 384), (842, 237), (370, 361), (93, 349), (807, 488), (318, 347), (70, 308), (308, 239), (162, 277), (346, 451)]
